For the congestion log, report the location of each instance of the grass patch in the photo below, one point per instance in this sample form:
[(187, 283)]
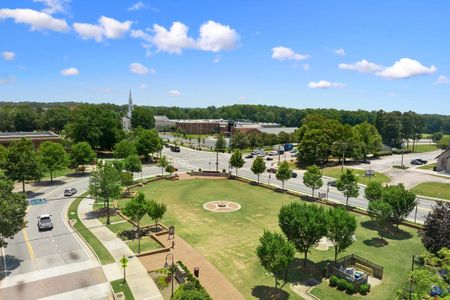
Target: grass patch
[(147, 244), (433, 189), (89, 237), (119, 286), (229, 240), (423, 148), (335, 172), (428, 167)]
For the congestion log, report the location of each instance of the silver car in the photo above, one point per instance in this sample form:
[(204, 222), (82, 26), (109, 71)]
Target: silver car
[(45, 222), (70, 192)]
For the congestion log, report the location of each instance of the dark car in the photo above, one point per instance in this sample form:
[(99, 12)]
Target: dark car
[(422, 161), (272, 170), (332, 183), (174, 148), (249, 156), (269, 158), (416, 162), (45, 222), (294, 175), (364, 161)]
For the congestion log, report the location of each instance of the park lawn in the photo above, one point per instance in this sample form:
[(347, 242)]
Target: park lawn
[(423, 148), (229, 240), (119, 286), (335, 172), (147, 244), (427, 167), (433, 189)]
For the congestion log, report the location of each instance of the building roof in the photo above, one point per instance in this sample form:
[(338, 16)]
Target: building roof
[(22, 134), (161, 118), (277, 130), (445, 152)]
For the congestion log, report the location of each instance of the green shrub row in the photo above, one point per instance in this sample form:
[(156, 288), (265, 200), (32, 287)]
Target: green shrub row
[(400, 151), (192, 289), (349, 287)]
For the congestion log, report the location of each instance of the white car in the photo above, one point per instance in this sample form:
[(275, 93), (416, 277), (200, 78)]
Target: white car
[(70, 192), (273, 153), (45, 222)]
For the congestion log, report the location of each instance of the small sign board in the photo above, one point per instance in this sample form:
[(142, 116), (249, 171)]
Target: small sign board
[(124, 261), (369, 173), (37, 201), (322, 195)]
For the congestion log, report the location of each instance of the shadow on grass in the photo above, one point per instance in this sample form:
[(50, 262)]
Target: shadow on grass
[(376, 242), (100, 212), (264, 292), (389, 232), (298, 272)]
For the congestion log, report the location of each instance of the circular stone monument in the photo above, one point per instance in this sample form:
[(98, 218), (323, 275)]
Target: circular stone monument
[(221, 206)]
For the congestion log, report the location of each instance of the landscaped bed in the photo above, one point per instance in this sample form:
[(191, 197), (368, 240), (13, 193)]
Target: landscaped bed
[(229, 239), (335, 172)]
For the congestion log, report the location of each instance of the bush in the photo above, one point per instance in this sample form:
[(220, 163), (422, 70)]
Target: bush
[(162, 283), (350, 288), (400, 151), (382, 153), (364, 289), (333, 281), (199, 169), (224, 171), (341, 284)]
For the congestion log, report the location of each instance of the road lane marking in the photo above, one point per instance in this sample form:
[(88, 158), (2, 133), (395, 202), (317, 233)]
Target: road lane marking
[(27, 241)]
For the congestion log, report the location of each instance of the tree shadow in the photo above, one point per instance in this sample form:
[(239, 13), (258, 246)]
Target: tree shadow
[(30, 194), (263, 292), (298, 272), (12, 263), (376, 242), (389, 231), (49, 183), (78, 174), (100, 212)]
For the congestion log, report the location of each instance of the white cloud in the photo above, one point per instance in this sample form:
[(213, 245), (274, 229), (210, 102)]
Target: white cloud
[(37, 20), (140, 34), (7, 80), (216, 37), (54, 6), (136, 6), (406, 68), (107, 28), (442, 80), (323, 84), (283, 53), (8, 55), (138, 68), (173, 40), (174, 93), (70, 72), (143, 86), (340, 52), (362, 66)]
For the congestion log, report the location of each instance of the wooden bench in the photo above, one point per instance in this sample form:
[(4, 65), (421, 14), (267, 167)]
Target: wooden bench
[(364, 268)]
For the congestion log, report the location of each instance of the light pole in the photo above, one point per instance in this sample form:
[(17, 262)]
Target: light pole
[(217, 160), (270, 175), (166, 265)]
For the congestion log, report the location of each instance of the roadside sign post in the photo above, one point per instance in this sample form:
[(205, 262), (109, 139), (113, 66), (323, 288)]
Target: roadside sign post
[(124, 263)]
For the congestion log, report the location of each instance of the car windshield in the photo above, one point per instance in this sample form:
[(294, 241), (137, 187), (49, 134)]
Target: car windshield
[(45, 220)]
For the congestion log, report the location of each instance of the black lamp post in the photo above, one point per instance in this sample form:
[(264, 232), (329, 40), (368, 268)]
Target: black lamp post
[(166, 265)]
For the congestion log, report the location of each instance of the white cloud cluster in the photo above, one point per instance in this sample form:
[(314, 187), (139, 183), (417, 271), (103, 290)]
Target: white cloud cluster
[(442, 80), (362, 66), (70, 72), (36, 19), (136, 6), (140, 34), (339, 51), (108, 28), (174, 93), (8, 55), (54, 6), (284, 53), (173, 40), (140, 69), (216, 37), (323, 84)]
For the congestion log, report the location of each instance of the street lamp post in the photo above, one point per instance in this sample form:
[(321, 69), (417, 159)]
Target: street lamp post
[(166, 265), (217, 160)]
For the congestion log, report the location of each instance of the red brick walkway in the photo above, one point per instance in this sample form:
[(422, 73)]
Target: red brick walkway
[(217, 285)]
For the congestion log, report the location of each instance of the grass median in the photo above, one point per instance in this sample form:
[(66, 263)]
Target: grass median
[(119, 286), (88, 236), (335, 172), (433, 189)]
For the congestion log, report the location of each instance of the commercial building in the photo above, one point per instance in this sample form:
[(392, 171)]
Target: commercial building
[(36, 138), (443, 161)]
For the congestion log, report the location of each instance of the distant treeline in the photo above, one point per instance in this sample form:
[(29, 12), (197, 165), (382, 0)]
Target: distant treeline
[(53, 116)]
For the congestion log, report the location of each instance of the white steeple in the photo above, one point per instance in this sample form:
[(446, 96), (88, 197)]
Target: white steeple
[(130, 106)]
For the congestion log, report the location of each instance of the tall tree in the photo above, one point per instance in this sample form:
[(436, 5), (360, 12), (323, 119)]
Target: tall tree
[(3, 155), (148, 142), (142, 116), (105, 183), (53, 157), (136, 209), (284, 173), (22, 162), (401, 201), (436, 229), (275, 253), (25, 119), (163, 162), (156, 211), (12, 211), (304, 225), (348, 185), (132, 163), (369, 137), (381, 212), (258, 166), (341, 229), (236, 160), (124, 148), (313, 178), (55, 118), (81, 154), (373, 191), (392, 127), (221, 144), (238, 140)]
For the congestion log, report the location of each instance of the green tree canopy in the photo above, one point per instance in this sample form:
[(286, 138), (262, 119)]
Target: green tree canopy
[(221, 144), (81, 154), (373, 191), (53, 157), (163, 162), (348, 185), (401, 201), (258, 166), (284, 173), (124, 148), (341, 229), (313, 178), (370, 139), (156, 211), (238, 140), (142, 116), (135, 210), (132, 163), (236, 160), (436, 229), (381, 213), (148, 142)]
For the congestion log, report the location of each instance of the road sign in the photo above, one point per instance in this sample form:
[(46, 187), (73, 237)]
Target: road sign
[(369, 173), (37, 201), (124, 261)]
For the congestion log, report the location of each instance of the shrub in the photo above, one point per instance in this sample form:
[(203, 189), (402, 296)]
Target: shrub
[(199, 169), (383, 153), (350, 288), (364, 289), (224, 171), (162, 283), (400, 151), (333, 281), (341, 284)]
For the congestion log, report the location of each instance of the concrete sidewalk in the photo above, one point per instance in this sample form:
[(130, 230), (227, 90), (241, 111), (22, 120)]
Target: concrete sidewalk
[(141, 285)]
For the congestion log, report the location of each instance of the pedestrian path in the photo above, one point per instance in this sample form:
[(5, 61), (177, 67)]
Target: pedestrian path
[(141, 285)]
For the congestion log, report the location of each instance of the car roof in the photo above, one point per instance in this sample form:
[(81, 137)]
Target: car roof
[(44, 216)]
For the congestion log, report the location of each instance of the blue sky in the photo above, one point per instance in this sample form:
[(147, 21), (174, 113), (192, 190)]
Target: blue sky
[(341, 54)]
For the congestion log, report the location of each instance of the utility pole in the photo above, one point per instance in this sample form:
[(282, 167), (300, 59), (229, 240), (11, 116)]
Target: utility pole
[(217, 160)]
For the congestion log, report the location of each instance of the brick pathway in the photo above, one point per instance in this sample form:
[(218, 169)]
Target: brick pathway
[(217, 285)]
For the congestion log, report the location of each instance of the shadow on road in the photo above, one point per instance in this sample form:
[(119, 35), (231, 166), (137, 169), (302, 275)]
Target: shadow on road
[(12, 263), (78, 175), (49, 183), (30, 194)]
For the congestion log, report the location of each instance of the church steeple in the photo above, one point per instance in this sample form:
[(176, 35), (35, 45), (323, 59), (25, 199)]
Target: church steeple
[(130, 106)]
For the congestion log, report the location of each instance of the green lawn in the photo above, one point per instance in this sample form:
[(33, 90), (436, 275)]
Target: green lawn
[(89, 237), (146, 244), (119, 286), (427, 167), (433, 189), (58, 173), (423, 148), (335, 172), (229, 240)]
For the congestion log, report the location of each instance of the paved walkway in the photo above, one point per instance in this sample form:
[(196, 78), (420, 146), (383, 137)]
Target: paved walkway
[(217, 285), (141, 285)]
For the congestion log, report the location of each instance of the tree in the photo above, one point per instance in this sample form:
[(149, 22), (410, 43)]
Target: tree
[(148, 142), (369, 138), (437, 136), (436, 229), (236, 160), (258, 166), (444, 143), (105, 183), (381, 213), (313, 178), (25, 118), (142, 116), (373, 191), (304, 225), (132, 163), (275, 253), (341, 228), (55, 118), (170, 169), (126, 178), (348, 185), (81, 154), (283, 173), (163, 162), (423, 280), (22, 162), (156, 211), (3, 155), (401, 201), (135, 210), (238, 140), (53, 157), (124, 148), (12, 211), (221, 144)]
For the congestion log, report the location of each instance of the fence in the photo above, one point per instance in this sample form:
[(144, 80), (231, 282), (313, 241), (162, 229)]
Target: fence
[(358, 262)]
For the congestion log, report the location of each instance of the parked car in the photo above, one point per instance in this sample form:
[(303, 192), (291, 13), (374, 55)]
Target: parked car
[(332, 183), (269, 158), (70, 192), (417, 162), (294, 175), (249, 156), (273, 153), (45, 222), (272, 170), (261, 155), (422, 161), (294, 150), (364, 161), (174, 148)]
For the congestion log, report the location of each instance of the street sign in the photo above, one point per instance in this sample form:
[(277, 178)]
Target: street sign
[(37, 201), (369, 173), (124, 261)]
